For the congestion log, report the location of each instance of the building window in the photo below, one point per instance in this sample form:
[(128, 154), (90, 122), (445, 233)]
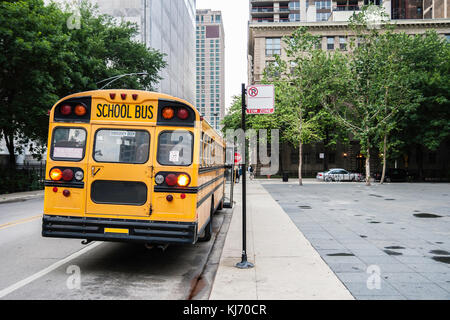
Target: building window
[(432, 157), (294, 5), (273, 46), (323, 4), (343, 43), (332, 158), (294, 17), (322, 16), (330, 43)]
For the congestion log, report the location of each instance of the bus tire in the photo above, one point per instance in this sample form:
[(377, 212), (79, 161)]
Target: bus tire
[(207, 233)]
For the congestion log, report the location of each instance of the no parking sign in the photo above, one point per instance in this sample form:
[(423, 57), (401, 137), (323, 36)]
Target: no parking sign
[(260, 99)]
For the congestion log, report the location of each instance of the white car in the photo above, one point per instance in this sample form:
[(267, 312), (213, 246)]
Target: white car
[(339, 175)]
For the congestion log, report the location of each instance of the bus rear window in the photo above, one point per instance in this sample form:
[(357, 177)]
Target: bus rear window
[(175, 148), (122, 146), (68, 144)]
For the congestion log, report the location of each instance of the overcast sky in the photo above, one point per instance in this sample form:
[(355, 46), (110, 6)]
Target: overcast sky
[(235, 18)]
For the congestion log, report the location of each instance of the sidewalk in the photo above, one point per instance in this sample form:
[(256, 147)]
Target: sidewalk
[(286, 265), (21, 196)]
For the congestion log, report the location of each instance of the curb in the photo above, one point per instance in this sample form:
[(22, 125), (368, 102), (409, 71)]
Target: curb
[(21, 196)]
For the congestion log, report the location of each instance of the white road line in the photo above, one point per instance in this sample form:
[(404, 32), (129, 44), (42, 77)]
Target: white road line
[(49, 269)]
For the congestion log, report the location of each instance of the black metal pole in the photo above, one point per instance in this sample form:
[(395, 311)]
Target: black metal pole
[(244, 264)]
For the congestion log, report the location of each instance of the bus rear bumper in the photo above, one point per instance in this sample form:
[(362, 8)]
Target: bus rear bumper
[(121, 230)]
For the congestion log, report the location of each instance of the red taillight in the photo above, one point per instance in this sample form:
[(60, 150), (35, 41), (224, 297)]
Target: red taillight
[(66, 193), (182, 196), (123, 96), (67, 175), (171, 179), (182, 114), (112, 96), (55, 174), (167, 113), (80, 110), (66, 109), (183, 180)]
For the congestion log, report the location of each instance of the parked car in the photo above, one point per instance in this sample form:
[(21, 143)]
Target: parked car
[(392, 175), (338, 174)]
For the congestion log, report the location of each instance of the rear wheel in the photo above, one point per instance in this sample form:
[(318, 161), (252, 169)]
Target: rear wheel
[(207, 233)]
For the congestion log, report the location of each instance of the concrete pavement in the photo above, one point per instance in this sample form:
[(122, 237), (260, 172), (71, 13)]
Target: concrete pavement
[(286, 265)]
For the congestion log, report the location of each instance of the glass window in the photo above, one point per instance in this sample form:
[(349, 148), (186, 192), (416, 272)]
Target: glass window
[(68, 144), (273, 46), (330, 43), (121, 146), (343, 43), (175, 148)]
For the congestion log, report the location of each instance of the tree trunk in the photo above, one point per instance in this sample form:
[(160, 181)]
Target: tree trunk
[(384, 159), (419, 160), (325, 145), (368, 167), (300, 162), (9, 140)]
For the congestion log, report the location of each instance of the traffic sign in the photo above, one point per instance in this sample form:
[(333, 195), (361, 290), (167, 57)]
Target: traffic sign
[(237, 157), (261, 99)]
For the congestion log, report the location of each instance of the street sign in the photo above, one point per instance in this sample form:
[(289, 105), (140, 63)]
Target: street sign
[(237, 158), (260, 99)]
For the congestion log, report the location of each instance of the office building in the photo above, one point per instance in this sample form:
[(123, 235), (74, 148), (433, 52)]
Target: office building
[(210, 62)]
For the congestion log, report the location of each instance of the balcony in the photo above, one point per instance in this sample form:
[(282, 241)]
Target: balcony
[(345, 7), (262, 10)]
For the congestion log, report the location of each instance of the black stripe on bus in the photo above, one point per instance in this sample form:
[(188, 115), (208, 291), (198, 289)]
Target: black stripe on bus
[(50, 183), (188, 189), (209, 169), (200, 202)]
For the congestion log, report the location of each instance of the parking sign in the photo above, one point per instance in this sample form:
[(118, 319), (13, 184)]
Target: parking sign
[(260, 99)]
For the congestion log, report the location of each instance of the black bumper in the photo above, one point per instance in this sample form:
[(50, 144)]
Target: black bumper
[(157, 232)]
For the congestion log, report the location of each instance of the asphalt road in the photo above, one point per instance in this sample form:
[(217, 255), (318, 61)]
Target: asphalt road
[(33, 267)]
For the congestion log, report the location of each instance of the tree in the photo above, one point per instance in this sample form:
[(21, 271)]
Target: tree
[(43, 60), (377, 83), (427, 125), (303, 82)]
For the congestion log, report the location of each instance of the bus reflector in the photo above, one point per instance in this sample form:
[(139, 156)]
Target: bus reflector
[(171, 179), (55, 174), (135, 96), (112, 96), (66, 109), (183, 114), (167, 113), (169, 197), (80, 110), (123, 95), (66, 193), (67, 175), (183, 180)]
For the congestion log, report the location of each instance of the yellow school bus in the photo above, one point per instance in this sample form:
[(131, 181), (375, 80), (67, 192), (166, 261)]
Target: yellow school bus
[(134, 166)]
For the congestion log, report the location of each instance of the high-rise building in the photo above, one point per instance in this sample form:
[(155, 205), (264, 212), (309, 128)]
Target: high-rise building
[(210, 62), (270, 20), (168, 26)]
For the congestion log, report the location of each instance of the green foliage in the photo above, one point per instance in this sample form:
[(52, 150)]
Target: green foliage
[(20, 180), (42, 60)]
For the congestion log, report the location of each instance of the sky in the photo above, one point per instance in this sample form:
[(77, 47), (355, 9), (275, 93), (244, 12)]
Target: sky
[(235, 19)]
